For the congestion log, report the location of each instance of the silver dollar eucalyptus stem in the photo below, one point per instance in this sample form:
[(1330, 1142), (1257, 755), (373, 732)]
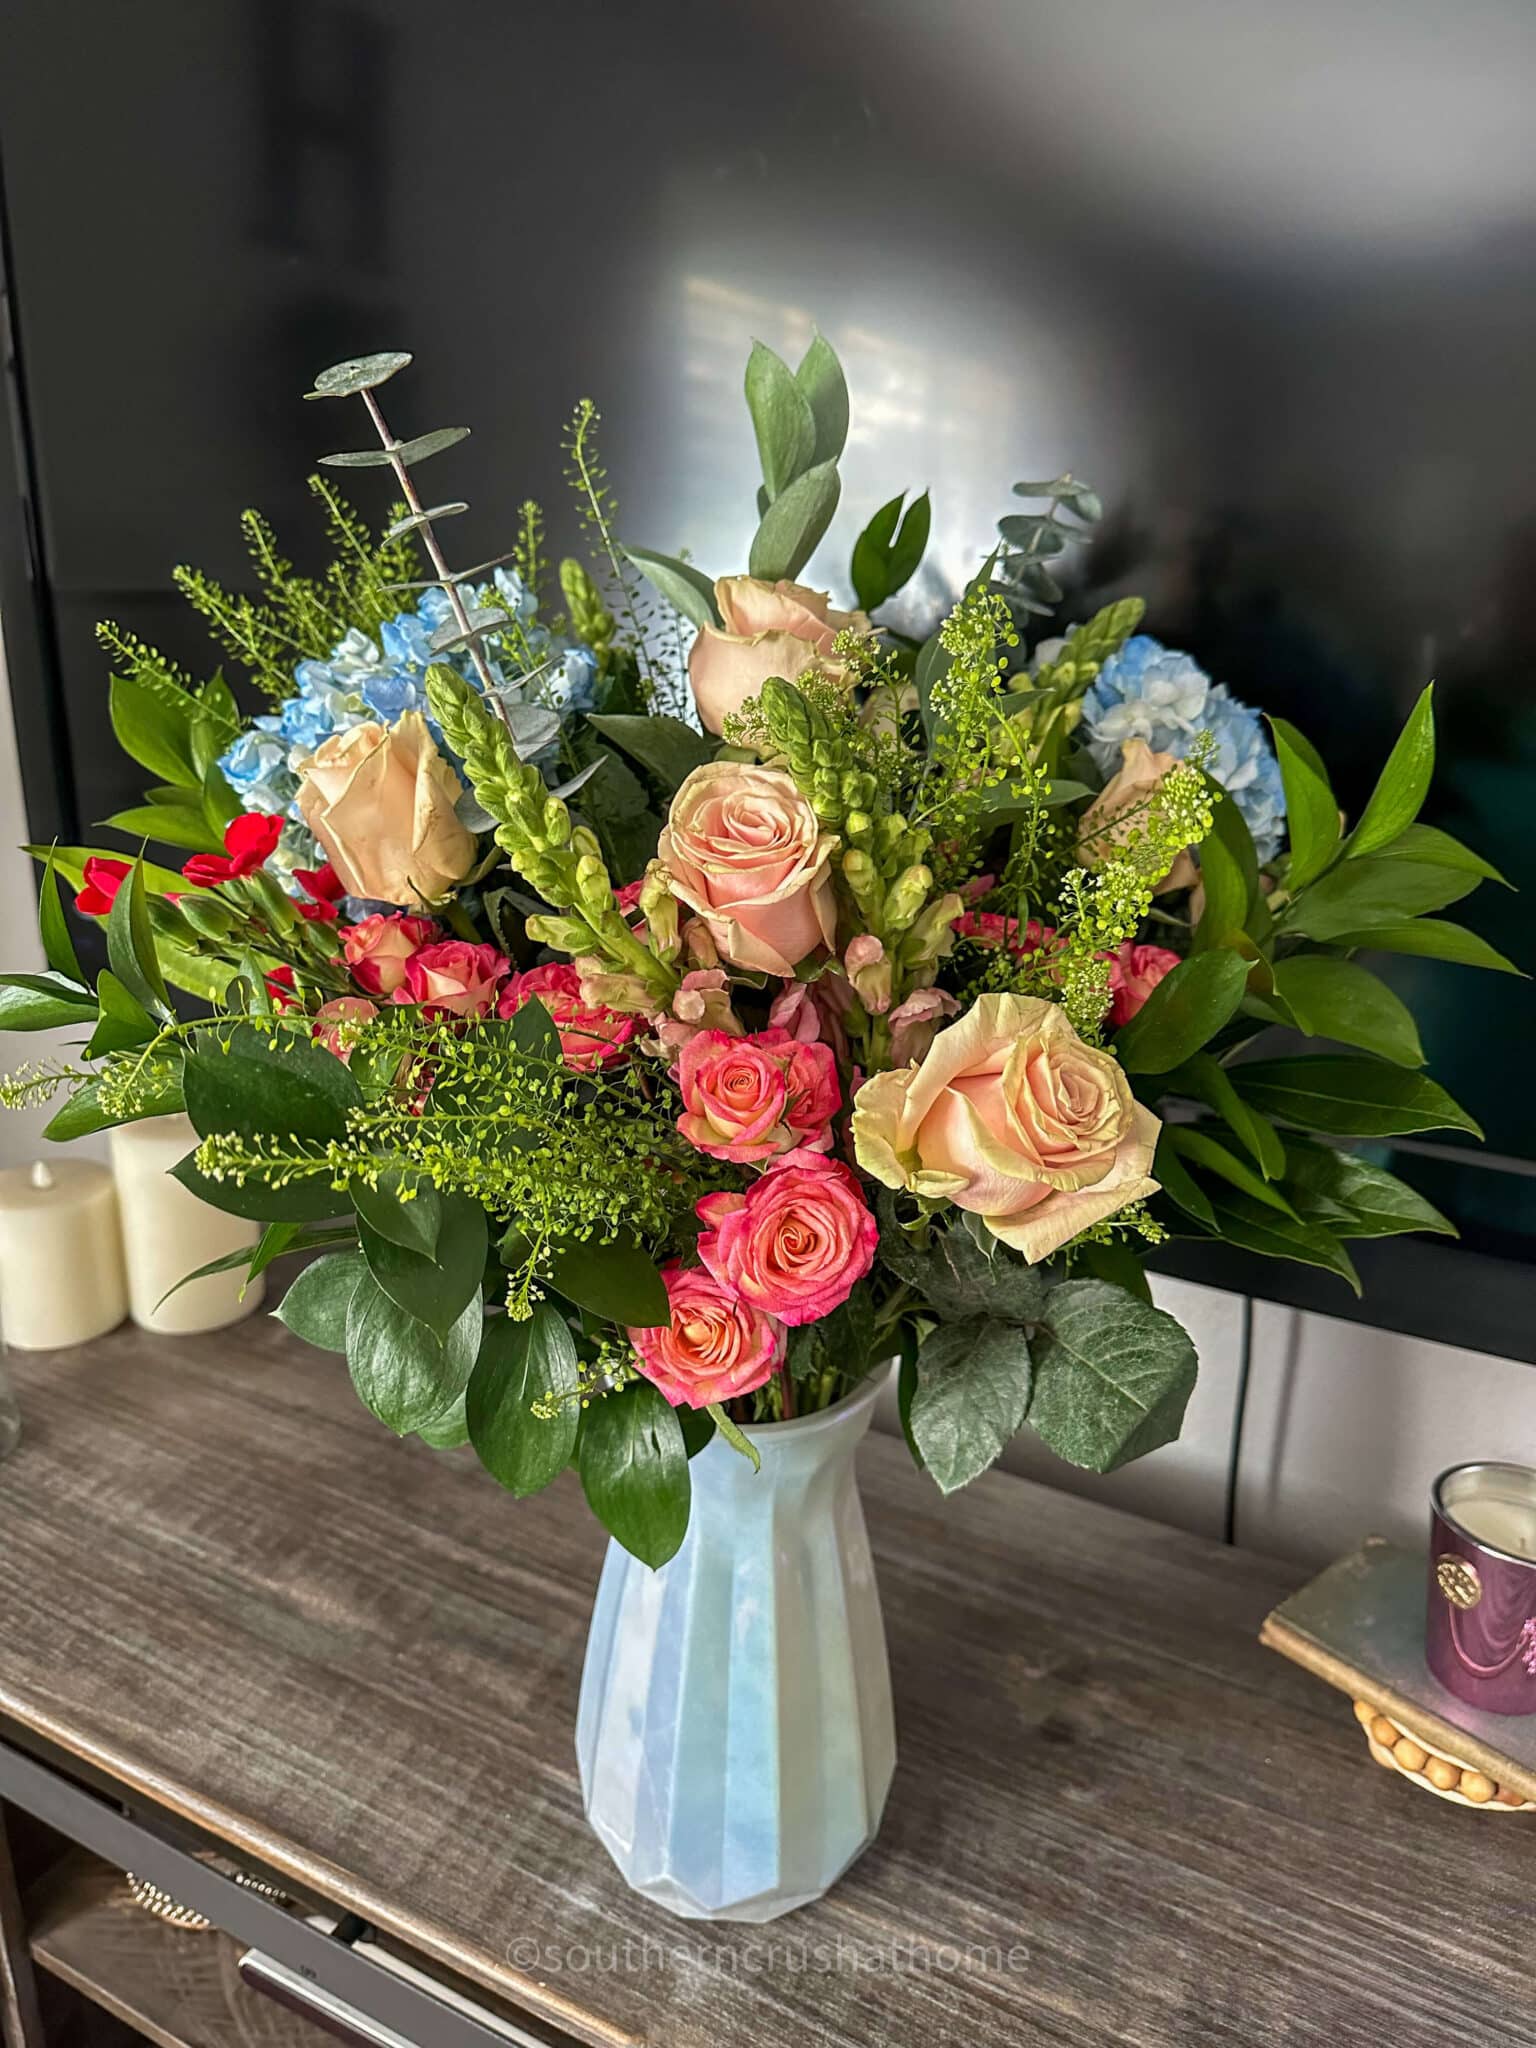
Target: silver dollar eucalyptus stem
[(435, 555)]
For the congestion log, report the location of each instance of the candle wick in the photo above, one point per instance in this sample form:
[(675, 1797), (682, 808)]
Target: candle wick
[(42, 1174)]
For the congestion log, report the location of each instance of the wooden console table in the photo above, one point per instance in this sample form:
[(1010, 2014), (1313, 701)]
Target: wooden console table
[(236, 1616)]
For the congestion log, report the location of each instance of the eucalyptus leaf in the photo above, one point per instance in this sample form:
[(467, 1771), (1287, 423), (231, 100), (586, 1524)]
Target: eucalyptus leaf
[(359, 373), (634, 1471), (1112, 1376), (417, 520), (407, 452), (533, 727)]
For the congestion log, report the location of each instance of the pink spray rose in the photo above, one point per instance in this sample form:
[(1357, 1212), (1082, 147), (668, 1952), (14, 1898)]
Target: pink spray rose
[(715, 1346), (989, 928), (1134, 972), (330, 1027), (745, 1099), (1011, 1116), (796, 1243), (590, 1035), (377, 949), (766, 629), (744, 849), (454, 978)]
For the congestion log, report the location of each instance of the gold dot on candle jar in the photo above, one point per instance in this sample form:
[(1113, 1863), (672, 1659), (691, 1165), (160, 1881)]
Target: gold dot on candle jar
[(1409, 1755), (1382, 1731), (1441, 1775)]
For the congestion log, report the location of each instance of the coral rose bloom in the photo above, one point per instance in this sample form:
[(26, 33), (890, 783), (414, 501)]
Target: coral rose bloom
[(744, 849), (766, 629), (1134, 972), (744, 1099), (796, 1243), (453, 978), (1011, 1116), (714, 1348), (377, 949), (590, 1036)]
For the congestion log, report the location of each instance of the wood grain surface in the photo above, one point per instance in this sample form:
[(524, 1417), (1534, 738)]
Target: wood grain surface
[(177, 1988), (1115, 1818)]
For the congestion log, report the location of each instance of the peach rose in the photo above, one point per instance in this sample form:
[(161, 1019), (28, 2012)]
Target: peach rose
[(1012, 1116), (1119, 809), (766, 629), (796, 1243), (381, 803), (1133, 974), (745, 1099), (377, 949), (745, 851), (714, 1348)]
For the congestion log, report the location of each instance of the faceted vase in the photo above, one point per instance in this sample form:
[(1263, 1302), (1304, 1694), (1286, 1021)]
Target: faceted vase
[(735, 1733)]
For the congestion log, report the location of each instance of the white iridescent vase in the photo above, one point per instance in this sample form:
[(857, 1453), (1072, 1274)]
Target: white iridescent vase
[(735, 1733)]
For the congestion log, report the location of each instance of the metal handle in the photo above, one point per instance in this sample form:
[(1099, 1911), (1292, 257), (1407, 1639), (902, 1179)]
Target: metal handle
[(303, 1995)]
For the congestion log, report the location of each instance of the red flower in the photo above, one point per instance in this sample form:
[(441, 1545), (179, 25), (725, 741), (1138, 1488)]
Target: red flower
[(280, 987), (323, 886), (249, 841), (103, 879)]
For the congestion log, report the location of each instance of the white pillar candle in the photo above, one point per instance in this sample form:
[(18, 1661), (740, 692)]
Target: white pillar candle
[(61, 1258), (168, 1233)]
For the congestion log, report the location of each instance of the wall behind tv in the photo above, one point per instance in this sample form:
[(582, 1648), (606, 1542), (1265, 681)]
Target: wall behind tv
[(1265, 276)]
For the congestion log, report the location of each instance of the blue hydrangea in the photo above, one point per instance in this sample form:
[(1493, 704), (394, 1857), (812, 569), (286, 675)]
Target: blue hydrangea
[(361, 679), (1154, 693)]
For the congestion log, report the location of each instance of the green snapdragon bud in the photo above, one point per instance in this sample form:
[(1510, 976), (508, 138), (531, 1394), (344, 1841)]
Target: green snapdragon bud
[(906, 897), (563, 934)]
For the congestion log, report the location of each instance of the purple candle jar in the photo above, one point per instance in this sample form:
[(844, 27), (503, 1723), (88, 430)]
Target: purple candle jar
[(1481, 1638)]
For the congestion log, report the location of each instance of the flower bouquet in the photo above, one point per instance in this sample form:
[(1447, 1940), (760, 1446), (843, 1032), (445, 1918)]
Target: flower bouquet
[(655, 1001)]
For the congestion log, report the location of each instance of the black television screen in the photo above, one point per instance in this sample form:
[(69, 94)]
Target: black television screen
[(1263, 276)]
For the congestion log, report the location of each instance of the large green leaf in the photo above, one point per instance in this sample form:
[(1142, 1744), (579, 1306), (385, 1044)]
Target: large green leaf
[(1353, 1198), (1254, 1228), (663, 745), (1339, 999), (1178, 1183), (434, 1289), (971, 1397), (688, 589), (1439, 849), (1348, 1097), (1375, 890), (794, 523), (617, 1281), (403, 1373), (82, 1115), (276, 1240), (308, 1198), (1183, 1013), (131, 948), (634, 1471), (124, 1021), (154, 729), (261, 1085), (43, 1002), (70, 862), (887, 552), (1229, 868), (169, 825), (1203, 1149), (408, 1212), (1112, 1376), (1403, 785), (1311, 809), (316, 1303), (58, 945), (1204, 1078), (1429, 938), (782, 419), (521, 1364), (820, 377)]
